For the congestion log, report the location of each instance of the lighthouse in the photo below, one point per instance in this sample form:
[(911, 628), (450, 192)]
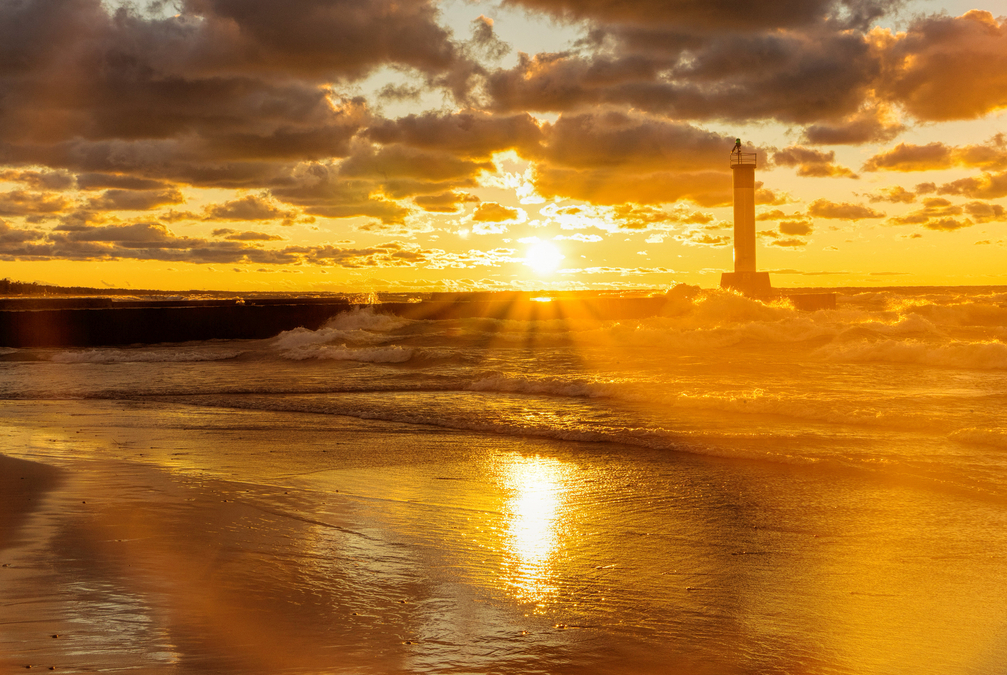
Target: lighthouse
[(744, 278)]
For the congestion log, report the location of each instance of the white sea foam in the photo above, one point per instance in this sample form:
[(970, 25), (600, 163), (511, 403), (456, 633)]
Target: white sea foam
[(358, 326)]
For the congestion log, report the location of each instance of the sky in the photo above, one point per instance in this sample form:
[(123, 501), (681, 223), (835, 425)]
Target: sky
[(408, 145)]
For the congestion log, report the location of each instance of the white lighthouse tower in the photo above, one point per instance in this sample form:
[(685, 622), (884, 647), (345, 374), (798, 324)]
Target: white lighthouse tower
[(744, 278)]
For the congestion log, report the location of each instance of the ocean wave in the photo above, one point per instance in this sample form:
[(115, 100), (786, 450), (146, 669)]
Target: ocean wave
[(996, 436), (984, 355), (545, 386), (143, 355), (562, 428), (392, 354), (357, 325)]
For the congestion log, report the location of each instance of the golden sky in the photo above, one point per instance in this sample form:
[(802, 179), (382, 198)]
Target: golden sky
[(329, 145)]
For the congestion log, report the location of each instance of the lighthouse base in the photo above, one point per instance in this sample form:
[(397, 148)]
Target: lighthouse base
[(748, 283)]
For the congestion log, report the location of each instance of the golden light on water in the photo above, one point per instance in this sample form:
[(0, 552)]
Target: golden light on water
[(543, 257), (536, 517)]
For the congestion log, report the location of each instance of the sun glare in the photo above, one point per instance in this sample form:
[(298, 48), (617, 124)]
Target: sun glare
[(543, 257)]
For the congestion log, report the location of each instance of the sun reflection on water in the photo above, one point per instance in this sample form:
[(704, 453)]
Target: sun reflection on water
[(537, 521)]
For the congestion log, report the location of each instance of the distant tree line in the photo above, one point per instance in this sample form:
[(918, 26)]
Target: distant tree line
[(9, 287)]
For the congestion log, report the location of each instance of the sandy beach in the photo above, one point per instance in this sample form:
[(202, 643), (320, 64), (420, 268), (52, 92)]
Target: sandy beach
[(168, 538)]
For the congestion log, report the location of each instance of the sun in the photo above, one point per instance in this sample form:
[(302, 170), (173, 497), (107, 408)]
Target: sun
[(543, 257)]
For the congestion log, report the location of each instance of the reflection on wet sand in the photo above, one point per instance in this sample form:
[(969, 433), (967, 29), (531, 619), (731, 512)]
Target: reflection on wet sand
[(535, 516)]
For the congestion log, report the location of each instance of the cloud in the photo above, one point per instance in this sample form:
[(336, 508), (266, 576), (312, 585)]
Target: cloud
[(938, 156), (614, 158), (134, 200), (800, 228), (766, 197), (23, 203), (223, 94), (823, 208), (153, 241), (12, 235), (777, 214), (811, 163), (824, 74), (945, 68), (233, 235), (789, 243), (319, 190), (985, 186), (249, 207), (895, 195), (580, 236), (873, 124), (469, 134), (444, 202), (42, 181), (984, 212), (714, 14), (491, 212), (939, 214), (702, 238), (101, 181)]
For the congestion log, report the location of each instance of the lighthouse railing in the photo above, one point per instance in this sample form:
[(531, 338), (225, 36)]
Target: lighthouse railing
[(743, 158)]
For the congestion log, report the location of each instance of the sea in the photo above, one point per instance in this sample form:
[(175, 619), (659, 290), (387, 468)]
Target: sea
[(734, 487)]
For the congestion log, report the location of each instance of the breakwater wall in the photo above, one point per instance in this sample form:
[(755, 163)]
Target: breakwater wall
[(95, 322)]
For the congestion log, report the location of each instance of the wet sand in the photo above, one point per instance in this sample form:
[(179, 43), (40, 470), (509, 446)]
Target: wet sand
[(22, 487), (179, 539)]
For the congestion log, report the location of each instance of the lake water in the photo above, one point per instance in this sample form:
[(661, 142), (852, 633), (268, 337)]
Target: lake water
[(736, 488)]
